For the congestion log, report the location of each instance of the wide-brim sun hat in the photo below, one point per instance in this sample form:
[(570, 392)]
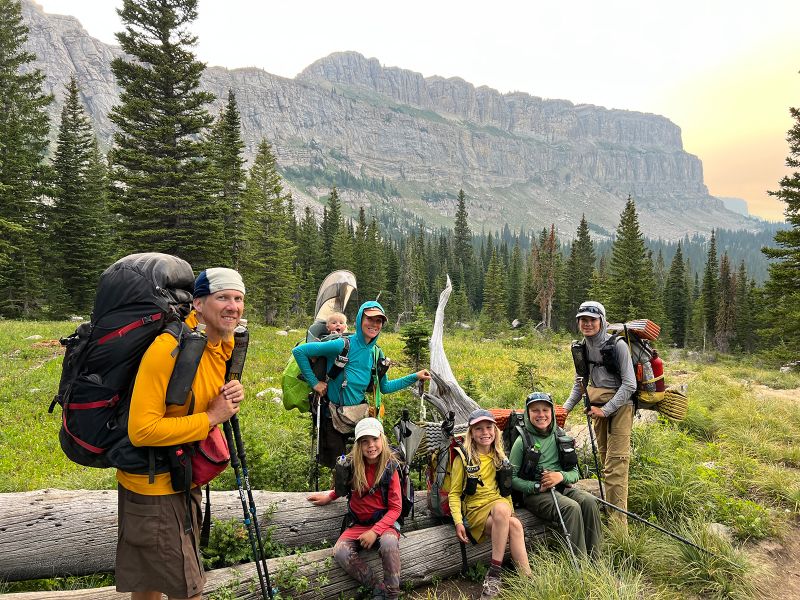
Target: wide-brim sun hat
[(369, 426), (481, 414), (591, 309)]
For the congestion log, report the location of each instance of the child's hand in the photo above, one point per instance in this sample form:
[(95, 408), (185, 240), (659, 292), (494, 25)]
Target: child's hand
[(319, 498), (423, 375), (367, 538), (461, 533), (321, 388)]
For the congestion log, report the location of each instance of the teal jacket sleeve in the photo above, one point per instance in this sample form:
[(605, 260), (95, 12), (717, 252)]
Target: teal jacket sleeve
[(303, 352), (395, 385), (517, 482)]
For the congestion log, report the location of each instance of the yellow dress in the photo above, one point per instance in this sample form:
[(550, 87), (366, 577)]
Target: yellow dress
[(475, 509)]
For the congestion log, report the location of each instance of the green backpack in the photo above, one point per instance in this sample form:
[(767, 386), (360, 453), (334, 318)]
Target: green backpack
[(296, 391)]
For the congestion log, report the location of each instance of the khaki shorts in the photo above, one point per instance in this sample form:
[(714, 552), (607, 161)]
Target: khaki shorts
[(153, 552)]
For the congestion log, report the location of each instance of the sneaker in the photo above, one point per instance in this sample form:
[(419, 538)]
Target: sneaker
[(491, 587)]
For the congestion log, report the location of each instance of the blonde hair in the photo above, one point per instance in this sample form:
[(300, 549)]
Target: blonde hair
[(359, 465), (336, 315), (496, 450)]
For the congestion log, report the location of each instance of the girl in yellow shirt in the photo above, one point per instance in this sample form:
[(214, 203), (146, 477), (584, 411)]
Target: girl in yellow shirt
[(485, 513)]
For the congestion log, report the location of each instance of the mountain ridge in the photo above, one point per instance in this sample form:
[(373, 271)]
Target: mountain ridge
[(521, 159)]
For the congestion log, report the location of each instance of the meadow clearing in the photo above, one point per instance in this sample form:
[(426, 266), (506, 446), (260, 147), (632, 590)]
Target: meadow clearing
[(735, 459)]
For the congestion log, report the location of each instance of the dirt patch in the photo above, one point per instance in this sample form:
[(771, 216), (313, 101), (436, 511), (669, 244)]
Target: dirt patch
[(450, 589), (782, 395), (780, 560)]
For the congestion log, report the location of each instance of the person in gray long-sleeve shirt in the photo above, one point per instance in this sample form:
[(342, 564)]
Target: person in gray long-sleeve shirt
[(610, 388)]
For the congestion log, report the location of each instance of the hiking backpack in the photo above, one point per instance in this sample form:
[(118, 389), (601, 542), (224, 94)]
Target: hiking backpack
[(647, 364), (296, 392), (138, 297), (400, 465), (295, 389), (438, 475)]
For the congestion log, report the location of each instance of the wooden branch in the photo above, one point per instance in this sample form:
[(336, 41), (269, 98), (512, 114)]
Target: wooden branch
[(425, 554), (52, 532), (445, 393)]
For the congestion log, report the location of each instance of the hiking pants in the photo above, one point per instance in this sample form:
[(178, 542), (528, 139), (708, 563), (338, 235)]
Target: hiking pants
[(345, 553), (581, 517), (614, 444)]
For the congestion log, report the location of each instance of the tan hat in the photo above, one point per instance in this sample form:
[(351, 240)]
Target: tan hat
[(374, 311)]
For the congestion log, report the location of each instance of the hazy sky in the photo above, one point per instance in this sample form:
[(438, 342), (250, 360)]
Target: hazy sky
[(725, 71)]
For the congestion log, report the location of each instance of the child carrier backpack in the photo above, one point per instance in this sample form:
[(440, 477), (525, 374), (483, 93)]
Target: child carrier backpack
[(296, 390), (138, 297)]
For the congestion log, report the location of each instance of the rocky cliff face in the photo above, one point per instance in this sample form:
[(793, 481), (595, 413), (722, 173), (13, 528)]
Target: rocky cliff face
[(520, 159)]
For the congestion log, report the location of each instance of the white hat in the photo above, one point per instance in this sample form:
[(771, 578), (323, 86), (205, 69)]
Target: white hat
[(368, 426), (593, 309)]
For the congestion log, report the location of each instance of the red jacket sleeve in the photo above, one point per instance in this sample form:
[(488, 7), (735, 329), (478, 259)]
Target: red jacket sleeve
[(395, 506)]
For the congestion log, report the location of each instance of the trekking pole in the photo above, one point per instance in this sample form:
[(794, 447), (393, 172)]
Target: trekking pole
[(566, 532), (315, 426), (233, 435), (587, 405), (659, 528)]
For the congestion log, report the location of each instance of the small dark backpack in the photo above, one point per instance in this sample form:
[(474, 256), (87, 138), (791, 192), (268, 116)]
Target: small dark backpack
[(400, 465), (138, 297)]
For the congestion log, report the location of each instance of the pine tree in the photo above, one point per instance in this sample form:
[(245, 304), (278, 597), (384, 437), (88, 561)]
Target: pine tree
[(309, 260), (331, 223), (782, 290), (676, 299), (463, 253), (546, 267), (163, 192), (225, 150), (494, 295), (744, 321), (267, 262), (515, 284), (630, 291), (78, 220), (580, 267), (416, 335), (710, 290), (23, 174), (726, 312)]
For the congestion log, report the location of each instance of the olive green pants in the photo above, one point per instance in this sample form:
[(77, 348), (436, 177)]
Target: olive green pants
[(581, 517)]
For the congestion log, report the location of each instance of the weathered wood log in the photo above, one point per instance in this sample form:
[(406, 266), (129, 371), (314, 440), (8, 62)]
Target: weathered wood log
[(49, 533), (445, 394), (425, 554)]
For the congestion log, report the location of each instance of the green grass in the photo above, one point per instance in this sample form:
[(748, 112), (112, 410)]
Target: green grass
[(734, 460)]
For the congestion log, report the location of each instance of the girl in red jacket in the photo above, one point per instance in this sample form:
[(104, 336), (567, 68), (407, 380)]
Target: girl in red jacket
[(374, 506)]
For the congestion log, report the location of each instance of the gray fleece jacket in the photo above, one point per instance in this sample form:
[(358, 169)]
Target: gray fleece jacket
[(600, 377)]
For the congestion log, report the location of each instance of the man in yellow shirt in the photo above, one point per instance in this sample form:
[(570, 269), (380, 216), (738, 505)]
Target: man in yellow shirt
[(155, 552)]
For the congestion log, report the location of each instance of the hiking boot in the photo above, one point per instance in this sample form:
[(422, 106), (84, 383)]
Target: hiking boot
[(378, 593), (491, 587)]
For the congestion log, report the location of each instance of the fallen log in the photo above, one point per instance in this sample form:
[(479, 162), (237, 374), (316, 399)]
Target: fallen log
[(47, 533), (425, 555)]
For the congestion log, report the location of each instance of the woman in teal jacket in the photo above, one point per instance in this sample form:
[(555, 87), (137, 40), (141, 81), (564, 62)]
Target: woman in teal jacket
[(349, 387)]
